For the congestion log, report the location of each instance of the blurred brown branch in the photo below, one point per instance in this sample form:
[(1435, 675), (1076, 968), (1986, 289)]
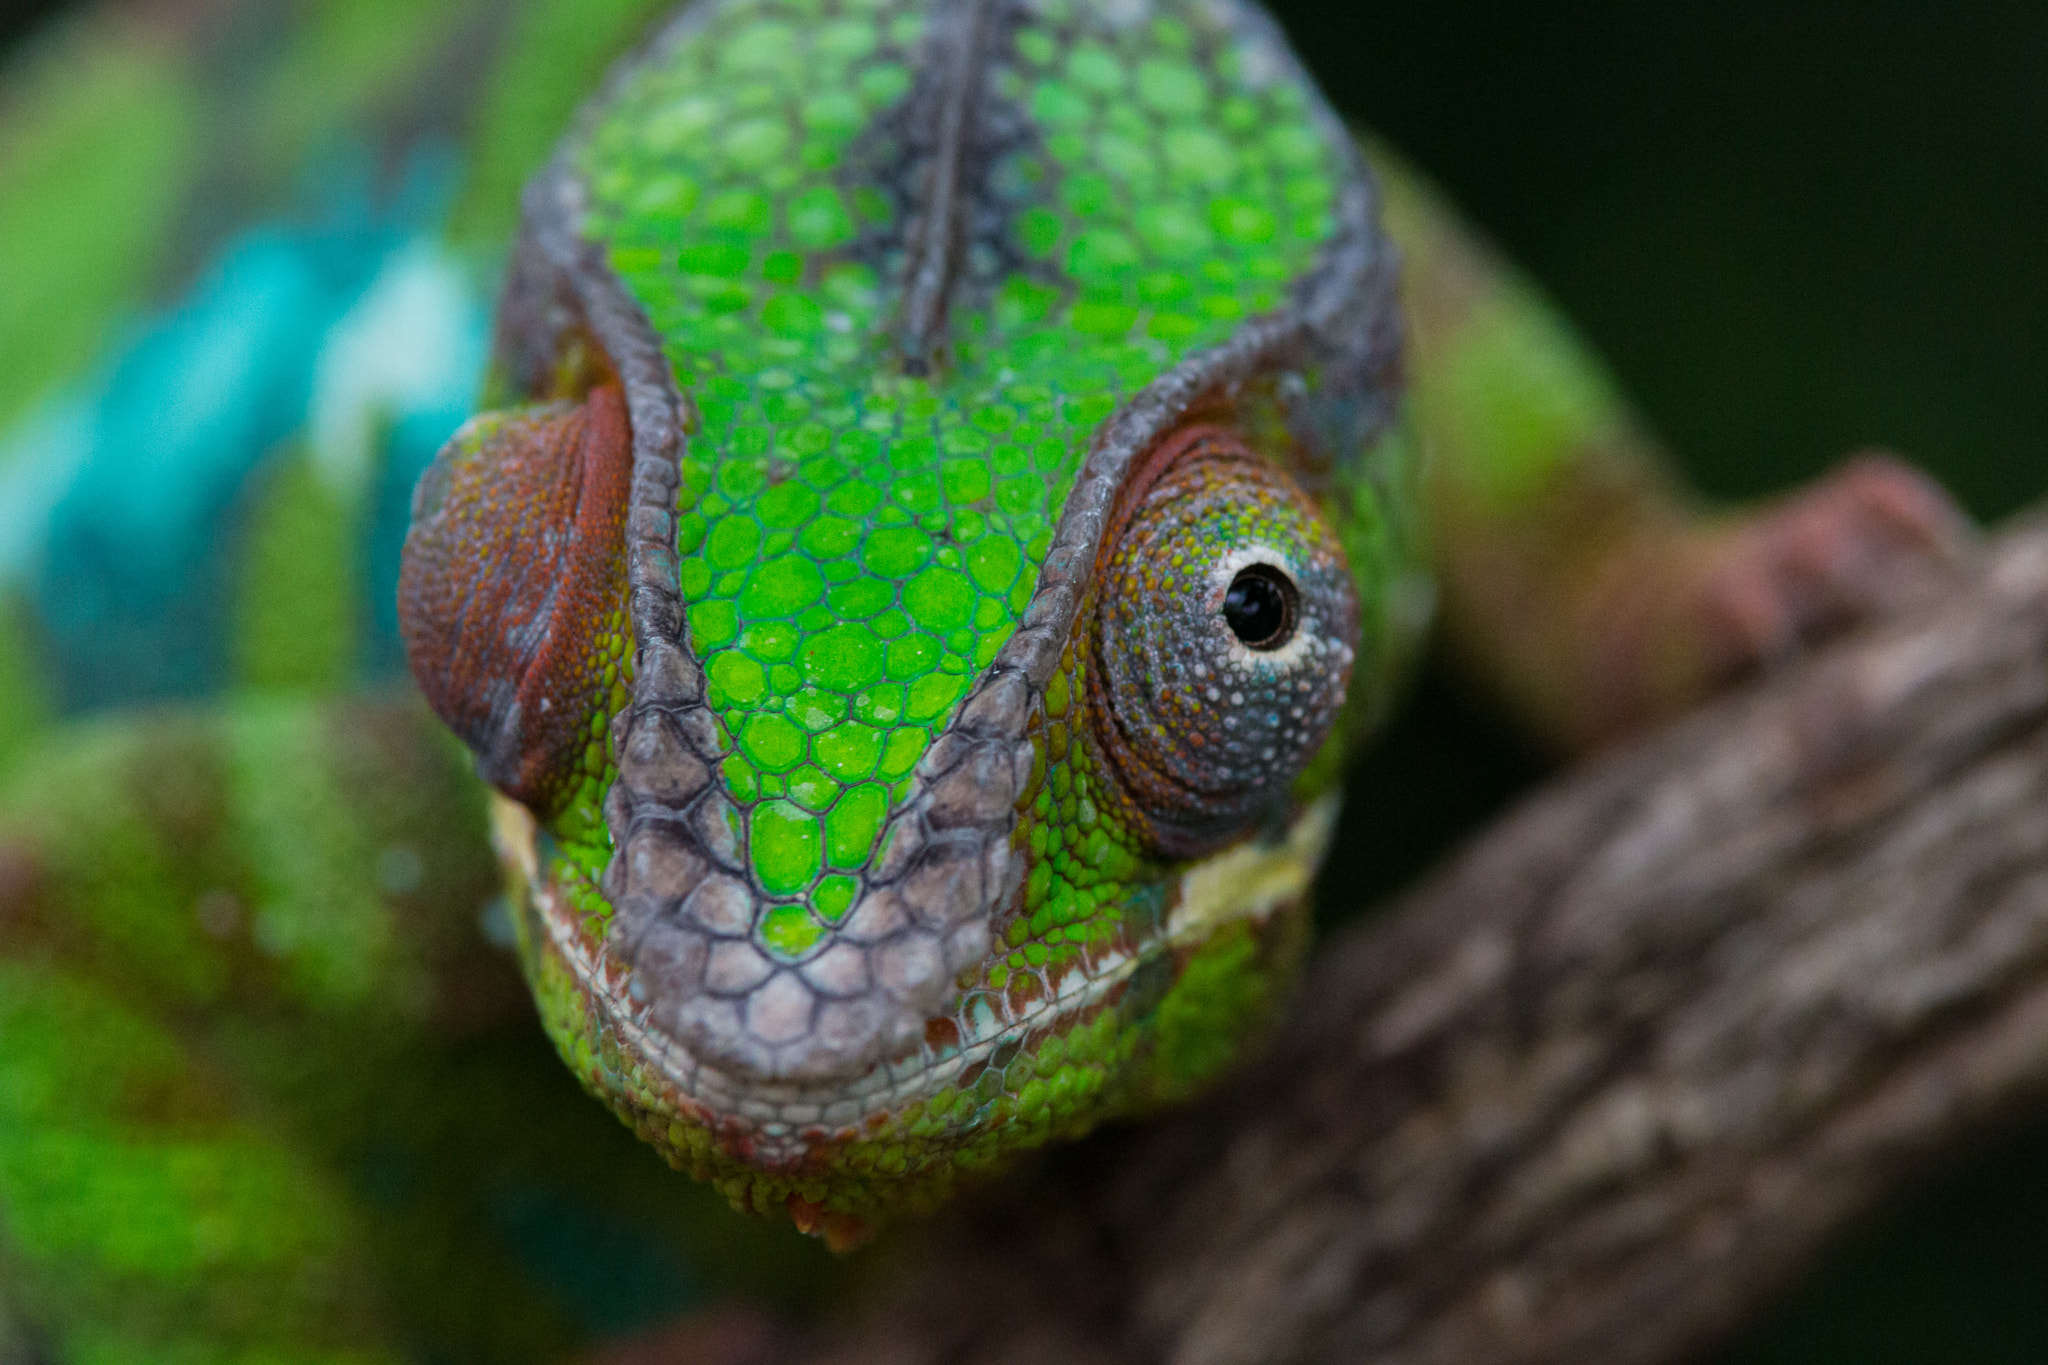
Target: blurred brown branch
[(1608, 1080)]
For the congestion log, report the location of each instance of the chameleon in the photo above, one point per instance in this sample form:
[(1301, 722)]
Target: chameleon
[(953, 484)]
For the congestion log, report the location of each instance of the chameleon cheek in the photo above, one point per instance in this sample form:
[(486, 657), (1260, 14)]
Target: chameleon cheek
[(512, 589), (1224, 631)]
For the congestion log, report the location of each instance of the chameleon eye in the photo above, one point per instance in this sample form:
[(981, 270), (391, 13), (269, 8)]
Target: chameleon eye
[(510, 591), (1225, 627)]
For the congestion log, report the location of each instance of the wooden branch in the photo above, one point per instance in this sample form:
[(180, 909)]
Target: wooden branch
[(1609, 1079)]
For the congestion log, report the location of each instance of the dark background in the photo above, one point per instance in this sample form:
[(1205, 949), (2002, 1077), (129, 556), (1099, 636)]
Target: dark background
[(17, 17), (1795, 230)]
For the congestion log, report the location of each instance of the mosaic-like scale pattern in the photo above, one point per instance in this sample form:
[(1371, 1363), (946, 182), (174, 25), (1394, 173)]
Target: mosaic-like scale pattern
[(858, 542), (879, 896)]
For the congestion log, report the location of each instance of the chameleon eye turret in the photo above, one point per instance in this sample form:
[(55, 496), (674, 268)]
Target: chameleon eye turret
[(512, 593), (1225, 630)]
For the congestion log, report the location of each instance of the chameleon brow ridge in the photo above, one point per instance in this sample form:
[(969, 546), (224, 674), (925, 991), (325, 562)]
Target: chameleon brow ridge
[(960, 31)]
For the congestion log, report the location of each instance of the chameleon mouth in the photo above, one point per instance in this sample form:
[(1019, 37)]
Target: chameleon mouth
[(782, 1122)]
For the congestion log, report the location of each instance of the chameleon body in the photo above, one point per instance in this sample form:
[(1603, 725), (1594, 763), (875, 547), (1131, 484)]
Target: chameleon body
[(886, 398)]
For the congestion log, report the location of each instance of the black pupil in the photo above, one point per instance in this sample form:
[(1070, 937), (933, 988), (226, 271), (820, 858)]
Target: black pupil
[(1260, 607)]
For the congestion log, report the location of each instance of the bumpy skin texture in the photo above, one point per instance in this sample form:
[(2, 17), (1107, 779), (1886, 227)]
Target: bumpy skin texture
[(893, 353), (268, 1089), (1197, 725), (514, 590)]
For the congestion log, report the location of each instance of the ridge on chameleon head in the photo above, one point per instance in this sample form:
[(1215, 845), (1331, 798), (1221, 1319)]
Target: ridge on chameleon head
[(943, 522)]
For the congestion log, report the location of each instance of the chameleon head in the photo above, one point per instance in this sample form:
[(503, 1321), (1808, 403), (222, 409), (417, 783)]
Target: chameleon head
[(947, 524)]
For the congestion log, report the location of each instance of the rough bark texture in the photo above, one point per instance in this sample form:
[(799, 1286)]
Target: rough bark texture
[(1608, 1079)]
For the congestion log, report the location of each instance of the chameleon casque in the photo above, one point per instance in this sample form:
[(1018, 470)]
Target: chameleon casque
[(955, 481)]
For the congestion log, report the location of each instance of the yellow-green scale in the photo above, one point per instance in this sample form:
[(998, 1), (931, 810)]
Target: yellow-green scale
[(857, 544), (578, 828)]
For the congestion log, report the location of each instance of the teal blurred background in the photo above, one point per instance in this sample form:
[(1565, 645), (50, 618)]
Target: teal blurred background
[(1795, 230)]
